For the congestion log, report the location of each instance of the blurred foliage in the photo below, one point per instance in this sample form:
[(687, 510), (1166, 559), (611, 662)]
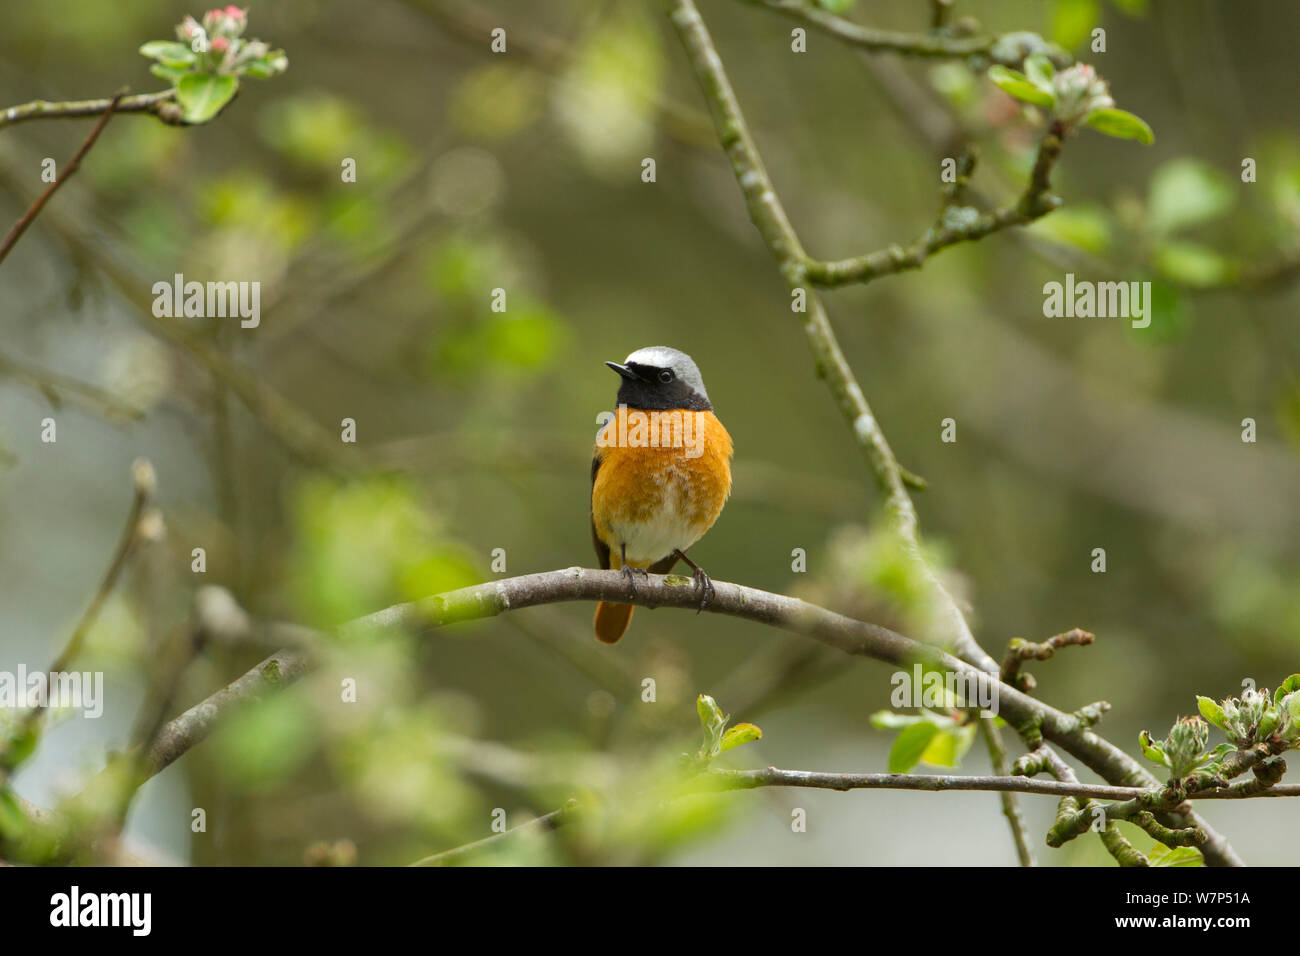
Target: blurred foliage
[(366, 545), (478, 172)]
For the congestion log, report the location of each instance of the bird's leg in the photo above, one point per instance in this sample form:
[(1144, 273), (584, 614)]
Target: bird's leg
[(630, 572), (702, 582)]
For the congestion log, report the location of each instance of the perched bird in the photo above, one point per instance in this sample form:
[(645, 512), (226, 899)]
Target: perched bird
[(660, 475)]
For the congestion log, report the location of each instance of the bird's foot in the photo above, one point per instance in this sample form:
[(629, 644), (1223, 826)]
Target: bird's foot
[(630, 573), (704, 586)]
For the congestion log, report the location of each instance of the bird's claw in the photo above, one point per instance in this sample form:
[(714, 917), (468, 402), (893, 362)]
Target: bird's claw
[(630, 573), (704, 586)]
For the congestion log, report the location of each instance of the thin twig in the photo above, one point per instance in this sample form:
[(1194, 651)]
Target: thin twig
[(144, 481), (924, 45), (35, 209), (159, 104), (57, 388), (543, 824), (1033, 204), (932, 46), (1019, 650), (773, 777), (1010, 806)]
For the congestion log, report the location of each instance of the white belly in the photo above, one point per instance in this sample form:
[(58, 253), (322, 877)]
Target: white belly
[(672, 526)]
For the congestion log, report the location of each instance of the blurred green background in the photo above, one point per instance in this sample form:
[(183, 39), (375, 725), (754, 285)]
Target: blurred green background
[(522, 171)]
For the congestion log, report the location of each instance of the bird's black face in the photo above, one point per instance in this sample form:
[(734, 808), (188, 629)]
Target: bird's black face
[(655, 388)]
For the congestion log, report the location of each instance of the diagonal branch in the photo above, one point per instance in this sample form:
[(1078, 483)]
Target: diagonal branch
[(957, 226), (67, 173), (60, 388), (543, 824), (135, 531), (769, 217)]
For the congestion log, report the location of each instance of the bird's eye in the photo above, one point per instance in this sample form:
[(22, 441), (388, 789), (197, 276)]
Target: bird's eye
[(666, 376)]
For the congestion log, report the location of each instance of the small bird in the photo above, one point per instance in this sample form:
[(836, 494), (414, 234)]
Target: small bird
[(660, 474)]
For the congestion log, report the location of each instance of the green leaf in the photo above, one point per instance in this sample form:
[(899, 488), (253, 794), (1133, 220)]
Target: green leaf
[(202, 97), (268, 66), (168, 52), (1087, 227), (13, 821), (1192, 264), (948, 746), (892, 720), (1152, 750), (711, 715), (737, 735), (21, 745), (1211, 711), (1121, 124), (836, 6), (1292, 683), (1162, 855), (1019, 86), (1073, 20), (909, 746), (1168, 314), (1039, 71), (1188, 192), (172, 74)]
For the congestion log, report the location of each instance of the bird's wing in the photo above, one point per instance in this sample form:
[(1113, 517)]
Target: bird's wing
[(602, 549)]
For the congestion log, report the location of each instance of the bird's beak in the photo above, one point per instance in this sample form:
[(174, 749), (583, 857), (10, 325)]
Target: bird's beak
[(624, 371)]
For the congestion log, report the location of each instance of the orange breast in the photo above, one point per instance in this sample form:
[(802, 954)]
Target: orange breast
[(663, 479)]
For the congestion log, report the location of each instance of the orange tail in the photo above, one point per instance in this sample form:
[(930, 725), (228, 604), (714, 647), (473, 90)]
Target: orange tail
[(612, 621)]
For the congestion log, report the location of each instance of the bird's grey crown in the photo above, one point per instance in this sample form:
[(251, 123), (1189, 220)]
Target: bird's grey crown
[(682, 365)]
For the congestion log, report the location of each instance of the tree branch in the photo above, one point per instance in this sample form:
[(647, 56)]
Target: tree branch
[(543, 824), (580, 584), (956, 226), (818, 780), (1019, 650), (68, 171), (159, 104), (57, 388), (772, 777), (1010, 808), (774, 226), (133, 532), (933, 46)]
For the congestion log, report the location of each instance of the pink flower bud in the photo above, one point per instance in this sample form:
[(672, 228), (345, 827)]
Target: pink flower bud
[(220, 44), (233, 21)]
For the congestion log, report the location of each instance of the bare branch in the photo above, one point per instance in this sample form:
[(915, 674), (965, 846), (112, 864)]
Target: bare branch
[(1020, 650), (769, 217), (68, 171), (1035, 203), (933, 46), (1010, 808), (159, 104), (791, 614), (22, 740), (59, 388), (772, 777), (542, 824)]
